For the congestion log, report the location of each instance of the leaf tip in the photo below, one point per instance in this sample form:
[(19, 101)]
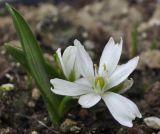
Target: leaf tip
[(8, 7)]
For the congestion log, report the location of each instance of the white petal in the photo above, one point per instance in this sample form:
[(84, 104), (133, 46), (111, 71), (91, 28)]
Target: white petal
[(110, 56), (61, 60), (76, 71), (63, 87), (121, 108), (83, 81), (89, 100), (84, 62), (123, 71), (69, 57)]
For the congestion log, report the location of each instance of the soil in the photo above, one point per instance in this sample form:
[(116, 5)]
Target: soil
[(57, 24)]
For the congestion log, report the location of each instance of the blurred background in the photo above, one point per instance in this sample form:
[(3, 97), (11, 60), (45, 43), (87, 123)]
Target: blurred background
[(56, 23)]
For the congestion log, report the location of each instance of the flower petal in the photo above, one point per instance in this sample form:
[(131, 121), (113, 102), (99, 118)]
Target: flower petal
[(110, 56), (89, 100), (68, 58), (77, 73), (63, 87), (121, 108), (61, 60), (84, 62), (123, 71), (83, 81)]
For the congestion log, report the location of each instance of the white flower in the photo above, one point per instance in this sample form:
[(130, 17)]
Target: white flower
[(66, 62), (100, 82)]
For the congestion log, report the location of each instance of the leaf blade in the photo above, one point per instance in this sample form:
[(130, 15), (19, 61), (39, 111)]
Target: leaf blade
[(35, 61)]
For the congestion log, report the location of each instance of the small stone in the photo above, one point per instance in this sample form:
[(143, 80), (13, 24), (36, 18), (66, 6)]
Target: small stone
[(7, 87), (75, 129), (152, 122), (10, 77), (35, 94), (3, 52), (34, 132), (89, 45), (85, 34), (67, 125), (150, 59), (18, 64), (31, 104)]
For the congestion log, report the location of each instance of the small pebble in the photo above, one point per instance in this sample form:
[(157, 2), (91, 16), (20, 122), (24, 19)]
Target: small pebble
[(75, 129), (10, 77), (67, 125), (34, 132), (35, 94), (31, 104), (89, 45), (85, 34), (153, 122), (7, 87), (3, 52)]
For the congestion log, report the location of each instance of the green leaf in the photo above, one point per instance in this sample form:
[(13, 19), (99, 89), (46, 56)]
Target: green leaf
[(18, 54), (35, 62), (51, 71), (134, 33), (66, 104)]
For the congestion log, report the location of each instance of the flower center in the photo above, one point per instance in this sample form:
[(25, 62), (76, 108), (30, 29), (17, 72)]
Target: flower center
[(99, 80)]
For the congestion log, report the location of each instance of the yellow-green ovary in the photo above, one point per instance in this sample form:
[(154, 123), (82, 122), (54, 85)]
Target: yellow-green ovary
[(101, 81)]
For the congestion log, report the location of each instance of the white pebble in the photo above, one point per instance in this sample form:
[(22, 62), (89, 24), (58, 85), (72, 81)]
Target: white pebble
[(153, 122)]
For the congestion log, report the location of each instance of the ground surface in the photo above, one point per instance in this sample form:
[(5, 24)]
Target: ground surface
[(57, 24)]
